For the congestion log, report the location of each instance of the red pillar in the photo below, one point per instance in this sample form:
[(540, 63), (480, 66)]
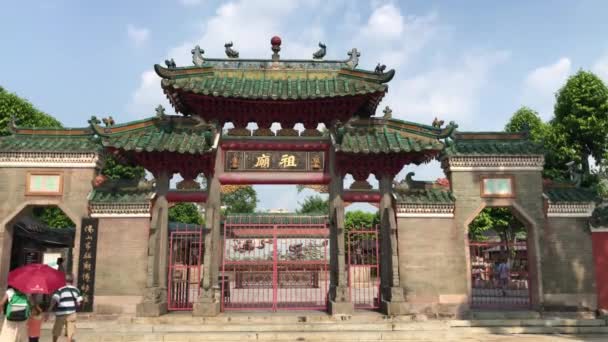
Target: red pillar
[(600, 257)]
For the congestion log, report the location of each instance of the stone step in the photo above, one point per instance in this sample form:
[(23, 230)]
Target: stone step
[(493, 315), (553, 322), (428, 335)]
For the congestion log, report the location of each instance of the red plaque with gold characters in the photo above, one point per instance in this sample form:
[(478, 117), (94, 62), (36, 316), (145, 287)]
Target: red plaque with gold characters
[(283, 161)]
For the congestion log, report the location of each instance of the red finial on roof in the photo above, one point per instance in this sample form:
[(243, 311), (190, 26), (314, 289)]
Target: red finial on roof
[(276, 40)]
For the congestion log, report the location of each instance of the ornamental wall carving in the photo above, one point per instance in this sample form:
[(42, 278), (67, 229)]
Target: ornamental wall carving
[(494, 163), (120, 209), (48, 159), (425, 210), (570, 209)]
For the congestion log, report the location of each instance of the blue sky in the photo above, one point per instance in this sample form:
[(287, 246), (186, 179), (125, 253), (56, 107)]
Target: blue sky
[(473, 62)]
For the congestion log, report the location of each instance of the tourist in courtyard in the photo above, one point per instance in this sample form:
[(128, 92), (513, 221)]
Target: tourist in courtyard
[(503, 274), (15, 306), (34, 324), (64, 303)]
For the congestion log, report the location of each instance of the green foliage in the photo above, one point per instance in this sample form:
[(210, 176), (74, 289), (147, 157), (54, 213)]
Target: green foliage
[(557, 151), (581, 117), (24, 112), (185, 213), (53, 217), (501, 221), (113, 169), (314, 205), (241, 201), (359, 218)]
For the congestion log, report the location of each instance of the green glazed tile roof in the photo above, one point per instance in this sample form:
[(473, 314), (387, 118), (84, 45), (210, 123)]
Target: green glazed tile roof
[(275, 89), (49, 141), (156, 135), (377, 135), (120, 196), (570, 195), (383, 142), (432, 196), (491, 143), (271, 218)]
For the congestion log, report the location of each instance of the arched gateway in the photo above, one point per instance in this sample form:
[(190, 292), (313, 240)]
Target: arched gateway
[(131, 260)]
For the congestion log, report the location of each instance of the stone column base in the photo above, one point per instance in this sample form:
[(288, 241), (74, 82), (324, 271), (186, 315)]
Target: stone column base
[(395, 308), (341, 308), (204, 309), (151, 309)]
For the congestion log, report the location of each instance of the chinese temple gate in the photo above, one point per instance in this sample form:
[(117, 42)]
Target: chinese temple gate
[(417, 260)]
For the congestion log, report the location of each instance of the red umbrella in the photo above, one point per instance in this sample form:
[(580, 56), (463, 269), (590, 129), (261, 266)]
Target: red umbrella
[(36, 278)]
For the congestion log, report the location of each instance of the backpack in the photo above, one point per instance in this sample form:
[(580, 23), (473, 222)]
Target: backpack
[(18, 307)]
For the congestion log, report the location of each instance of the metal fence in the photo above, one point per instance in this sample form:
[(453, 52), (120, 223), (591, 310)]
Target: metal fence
[(275, 266), (363, 267), (186, 250), (499, 275)]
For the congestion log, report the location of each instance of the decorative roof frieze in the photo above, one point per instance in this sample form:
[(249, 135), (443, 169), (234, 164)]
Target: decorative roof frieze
[(428, 210), (493, 163), (570, 209), (49, 159), (120, 210)]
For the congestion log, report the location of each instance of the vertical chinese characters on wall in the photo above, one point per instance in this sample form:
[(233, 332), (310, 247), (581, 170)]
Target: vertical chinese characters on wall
[(86, 266)]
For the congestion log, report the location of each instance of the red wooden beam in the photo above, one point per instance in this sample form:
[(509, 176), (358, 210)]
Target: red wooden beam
[(274, 178), (177, 196), (250, 145), (361, 196)]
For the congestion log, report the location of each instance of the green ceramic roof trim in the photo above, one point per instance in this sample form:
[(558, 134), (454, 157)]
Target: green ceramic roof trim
[(491, 143), (120, 196), (157, 134), (428, 196), (24, 139), (568, 194), (271, 218), (386, 135), (286, 88)]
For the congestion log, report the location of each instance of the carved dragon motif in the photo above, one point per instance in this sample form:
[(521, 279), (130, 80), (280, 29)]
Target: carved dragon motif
[(321, 52), (197, 56), (230, 52)]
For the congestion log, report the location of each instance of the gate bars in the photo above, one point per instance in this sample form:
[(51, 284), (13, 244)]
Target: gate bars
[(493, 289), (275, 267), (186, 245), (363, 267)]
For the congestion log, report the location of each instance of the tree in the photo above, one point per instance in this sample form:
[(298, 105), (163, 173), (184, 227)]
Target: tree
[(113, 169), (24, 113), (185, 213), (53, 217), (500, 220), (581, 117), (240, 201), (314, 205), (557, 151), (361, 219)]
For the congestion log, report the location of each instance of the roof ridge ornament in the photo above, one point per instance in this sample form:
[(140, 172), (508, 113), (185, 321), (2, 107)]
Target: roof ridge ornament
[(353, 59), (388, 113), (276, 47), (160, 111), (437, 123), (109, 121), (197, 56), (230, 52), (321, 52), (170, 63), (380, 69)]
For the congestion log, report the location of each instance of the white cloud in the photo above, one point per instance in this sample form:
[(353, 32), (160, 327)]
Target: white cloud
[(448, 92), (600, 67), (190, 3), (147, 96), (138, 35), (541, 84)]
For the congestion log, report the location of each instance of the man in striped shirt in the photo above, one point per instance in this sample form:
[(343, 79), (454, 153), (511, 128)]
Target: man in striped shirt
[(64, 302)]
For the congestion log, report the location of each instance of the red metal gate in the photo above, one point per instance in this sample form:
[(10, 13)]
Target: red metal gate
[(499, 275), (363, 267), (185, 265), (275, 267)]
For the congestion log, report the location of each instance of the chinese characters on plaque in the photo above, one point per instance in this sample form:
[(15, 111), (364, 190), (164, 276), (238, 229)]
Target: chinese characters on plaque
[(496, 187), (86, 265), (274, 161)]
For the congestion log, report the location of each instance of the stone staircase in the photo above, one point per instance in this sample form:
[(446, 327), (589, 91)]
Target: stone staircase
[(319, 327)]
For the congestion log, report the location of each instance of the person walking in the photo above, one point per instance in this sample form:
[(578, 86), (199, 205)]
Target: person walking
[(60, 265), (64, 303), (16, 307), (34, 324)]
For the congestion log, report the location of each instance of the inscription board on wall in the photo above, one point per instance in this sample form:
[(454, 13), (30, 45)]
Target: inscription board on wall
[(86, 262), (44, 184), (236, 161), (496, 186)]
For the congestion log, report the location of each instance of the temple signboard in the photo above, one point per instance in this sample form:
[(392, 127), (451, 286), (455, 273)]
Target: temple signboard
[(87, 260), (283, 161)]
